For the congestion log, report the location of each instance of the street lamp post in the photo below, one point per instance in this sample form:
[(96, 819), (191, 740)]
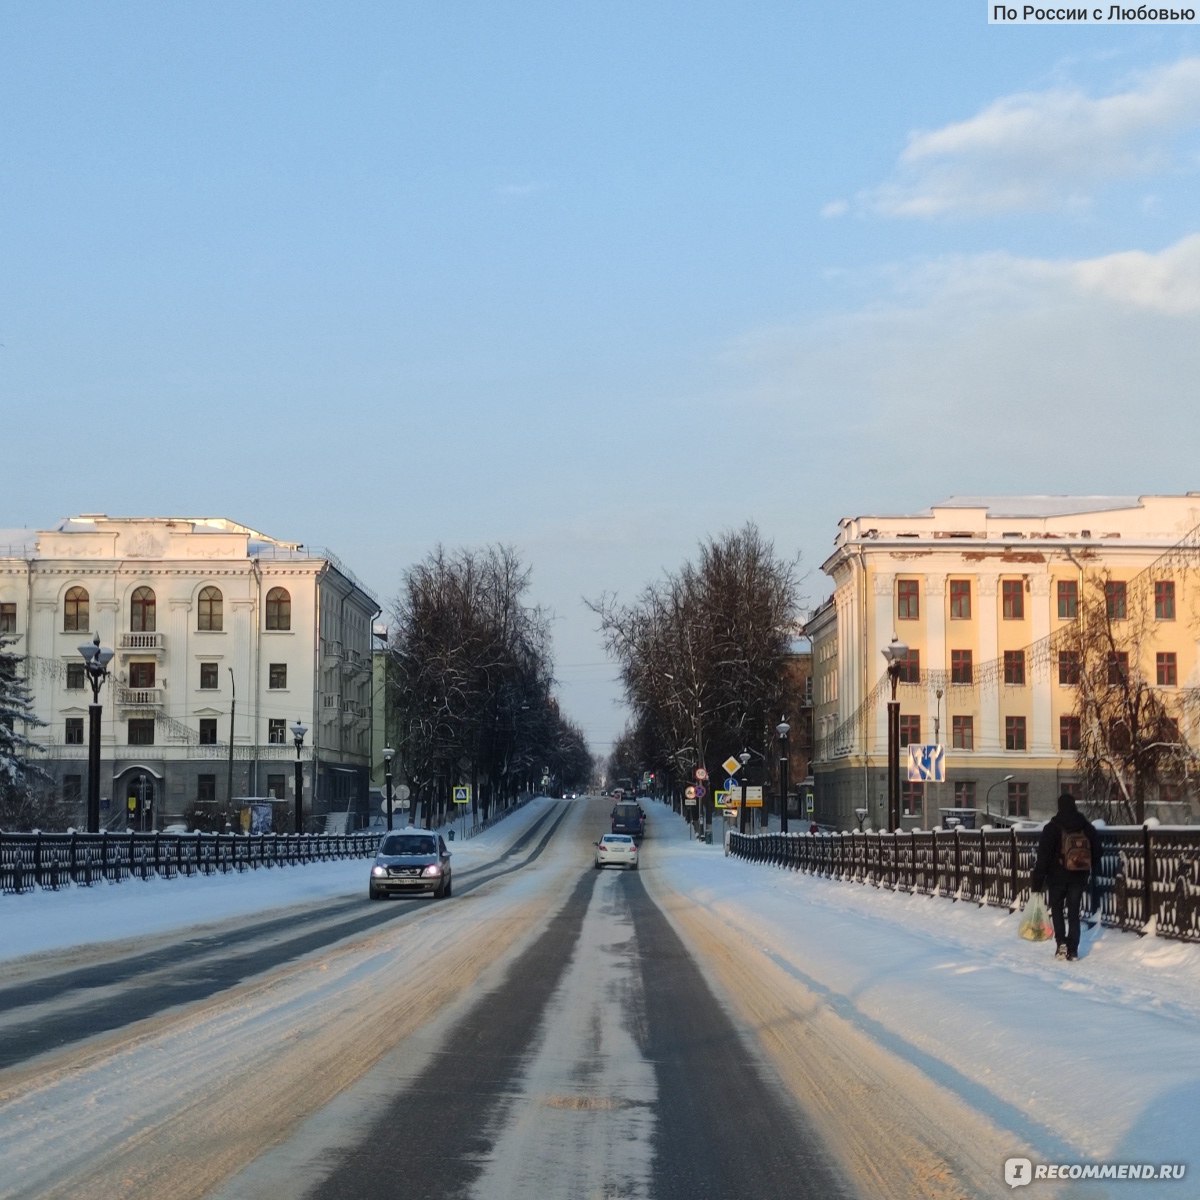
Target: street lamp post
[(896, 653), (95, 662), (783, 728), (388, 754), (743, 758), (987, 799), (298, 732)]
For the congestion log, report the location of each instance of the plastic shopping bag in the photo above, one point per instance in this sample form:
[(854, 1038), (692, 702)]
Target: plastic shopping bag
[(1035, 920)]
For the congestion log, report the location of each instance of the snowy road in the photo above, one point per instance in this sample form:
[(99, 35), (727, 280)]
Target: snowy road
[(700, 1028)]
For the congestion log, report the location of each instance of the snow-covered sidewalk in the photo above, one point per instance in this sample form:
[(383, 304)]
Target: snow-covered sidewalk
[(1092, 1061)]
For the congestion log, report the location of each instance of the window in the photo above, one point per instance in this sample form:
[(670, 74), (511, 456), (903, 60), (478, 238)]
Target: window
[(75, 677), (277, 731), (1166, 668), (962, 733), (8, 618), (961, 670), (209, 611), (910, 667), (75, 611), (141, 675), (1068, 599), (910, 729), (73, 734), (1014, 668), (912, 798), (277, 676), (208, 731), (964, 793), (1115, 599), (72, 789), (1068, 668), (960, 599), (141, 731), (1014, 733), (1164, 600), (1118, 667), (279, 609), (1068, 733), (142, 611), (206, 789), (908, 600), (275, 786), (1012, 599), (1018, 799), (208, 676)]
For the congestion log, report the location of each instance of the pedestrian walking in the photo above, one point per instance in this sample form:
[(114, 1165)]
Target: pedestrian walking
[(1068, 852)]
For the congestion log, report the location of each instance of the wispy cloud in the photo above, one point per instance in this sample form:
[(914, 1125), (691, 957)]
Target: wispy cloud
[(1015, 374), (1041, 151)]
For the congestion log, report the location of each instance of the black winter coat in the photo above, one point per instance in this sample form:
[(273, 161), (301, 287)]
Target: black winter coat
[(1049, 868)]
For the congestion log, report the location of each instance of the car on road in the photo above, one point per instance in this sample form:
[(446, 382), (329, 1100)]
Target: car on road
[(617, 850), (411, 861), (629, 817)]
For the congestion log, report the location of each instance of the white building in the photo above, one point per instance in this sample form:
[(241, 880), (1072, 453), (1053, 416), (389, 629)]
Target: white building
[(223, 637)]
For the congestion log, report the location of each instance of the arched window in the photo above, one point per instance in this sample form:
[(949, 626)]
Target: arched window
[(75, 614), (141, 612), (279, 609), (209, 615)]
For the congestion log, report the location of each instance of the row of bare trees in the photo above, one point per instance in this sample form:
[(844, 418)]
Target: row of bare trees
[(469, 685), (703, 658)]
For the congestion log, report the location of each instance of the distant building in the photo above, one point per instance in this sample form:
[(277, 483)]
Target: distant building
[(978, 588), (223, 637)]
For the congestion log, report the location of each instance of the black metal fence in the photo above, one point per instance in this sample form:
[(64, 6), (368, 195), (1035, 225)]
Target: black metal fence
[(56, 860), (1148, 878)]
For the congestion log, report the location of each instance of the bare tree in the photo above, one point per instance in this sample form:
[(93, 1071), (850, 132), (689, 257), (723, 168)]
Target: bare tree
[(702, 653), (1133, 745)]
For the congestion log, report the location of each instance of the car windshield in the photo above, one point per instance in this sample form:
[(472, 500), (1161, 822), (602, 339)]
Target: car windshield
[(619, 838), (408, 844)]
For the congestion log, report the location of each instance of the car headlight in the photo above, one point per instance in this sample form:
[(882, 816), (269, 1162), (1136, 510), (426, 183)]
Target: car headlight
[(433, 870), (378, 870)]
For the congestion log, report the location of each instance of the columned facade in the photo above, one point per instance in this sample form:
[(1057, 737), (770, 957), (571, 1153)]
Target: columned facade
[(223, 638)]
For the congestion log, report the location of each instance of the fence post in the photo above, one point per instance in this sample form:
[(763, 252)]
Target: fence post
[(1013, 864), (1148, 870), (957, 864)]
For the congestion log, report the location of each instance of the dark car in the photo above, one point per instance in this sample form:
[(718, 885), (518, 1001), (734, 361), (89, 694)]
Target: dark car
[(409, 861), (628, 817)]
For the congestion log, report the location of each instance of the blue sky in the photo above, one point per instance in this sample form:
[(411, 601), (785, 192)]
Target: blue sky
[(595, 280)]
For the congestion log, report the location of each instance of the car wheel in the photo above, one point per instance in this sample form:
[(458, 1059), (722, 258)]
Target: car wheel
[(633, 866), (448, 890), (374, 895), (597, 865)]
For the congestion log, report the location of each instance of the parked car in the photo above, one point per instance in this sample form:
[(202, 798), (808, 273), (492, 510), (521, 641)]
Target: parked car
[(410, 861), (617, 850)]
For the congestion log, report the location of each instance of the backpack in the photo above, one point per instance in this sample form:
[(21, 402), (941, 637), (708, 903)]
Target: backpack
[(1076, 851)]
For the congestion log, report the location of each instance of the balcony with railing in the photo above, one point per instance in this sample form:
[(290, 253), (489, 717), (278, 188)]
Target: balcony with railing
[(142, 643), (130, 697)]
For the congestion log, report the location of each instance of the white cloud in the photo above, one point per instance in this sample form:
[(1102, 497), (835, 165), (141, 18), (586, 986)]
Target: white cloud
[(1044, 150), (990, 371)]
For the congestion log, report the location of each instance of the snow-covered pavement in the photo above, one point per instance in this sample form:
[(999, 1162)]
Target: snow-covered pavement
[(1096, 1061)]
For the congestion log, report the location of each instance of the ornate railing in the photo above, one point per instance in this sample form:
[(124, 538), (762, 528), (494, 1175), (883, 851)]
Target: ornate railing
[(56, 860), (1147, 880)]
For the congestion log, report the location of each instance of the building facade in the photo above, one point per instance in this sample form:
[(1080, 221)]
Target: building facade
[(984, 592), (223, 639)]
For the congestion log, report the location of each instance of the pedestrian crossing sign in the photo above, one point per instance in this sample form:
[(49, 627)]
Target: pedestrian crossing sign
[(462, 795)]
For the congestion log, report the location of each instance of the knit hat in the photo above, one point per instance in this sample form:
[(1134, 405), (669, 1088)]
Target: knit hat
[(1066, 804)]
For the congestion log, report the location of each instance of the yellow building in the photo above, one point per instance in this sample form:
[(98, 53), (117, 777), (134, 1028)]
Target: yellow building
[(986, 594)]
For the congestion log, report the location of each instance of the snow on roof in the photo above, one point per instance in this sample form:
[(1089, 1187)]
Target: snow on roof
[(1038, 506)]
